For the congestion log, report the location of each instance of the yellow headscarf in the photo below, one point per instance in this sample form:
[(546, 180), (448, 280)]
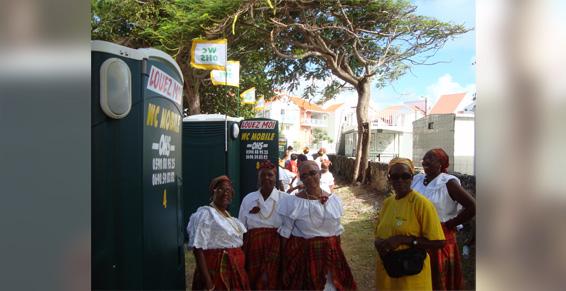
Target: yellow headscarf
[(403, 161)]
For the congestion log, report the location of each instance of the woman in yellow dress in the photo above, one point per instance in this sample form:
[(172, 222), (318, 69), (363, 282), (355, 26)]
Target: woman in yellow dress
[(407, 219)]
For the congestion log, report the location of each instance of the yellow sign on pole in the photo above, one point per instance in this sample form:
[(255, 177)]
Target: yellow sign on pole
[(248, 96), (209, 54), (228, 77)]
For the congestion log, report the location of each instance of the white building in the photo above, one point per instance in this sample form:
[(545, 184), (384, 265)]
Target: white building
[(450, 126), (391, 132)]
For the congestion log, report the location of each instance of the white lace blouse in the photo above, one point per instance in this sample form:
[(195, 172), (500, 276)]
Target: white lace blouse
[(268, 216), (310, 218), (437, 192), (209, 229), (326, 180)]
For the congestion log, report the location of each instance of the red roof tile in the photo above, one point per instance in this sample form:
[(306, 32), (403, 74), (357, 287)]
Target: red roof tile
[(333, 108), (306, 105), (447, 103)]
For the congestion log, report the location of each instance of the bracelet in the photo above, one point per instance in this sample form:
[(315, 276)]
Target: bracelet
[(212, 289)]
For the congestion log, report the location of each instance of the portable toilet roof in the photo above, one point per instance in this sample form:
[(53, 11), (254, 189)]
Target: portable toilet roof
[(211, 117), (136, 54)]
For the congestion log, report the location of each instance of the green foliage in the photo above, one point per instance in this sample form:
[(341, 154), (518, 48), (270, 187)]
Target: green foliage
[(319, 135), (354, 41), (170, 25), (349, 39)]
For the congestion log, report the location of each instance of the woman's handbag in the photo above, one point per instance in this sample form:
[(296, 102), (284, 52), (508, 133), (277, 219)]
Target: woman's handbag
[(404, 262)]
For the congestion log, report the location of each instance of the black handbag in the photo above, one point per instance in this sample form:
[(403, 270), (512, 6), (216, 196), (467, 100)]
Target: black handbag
[(405, 262)]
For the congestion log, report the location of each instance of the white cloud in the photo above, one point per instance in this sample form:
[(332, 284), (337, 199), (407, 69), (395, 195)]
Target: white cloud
[(446, 85)]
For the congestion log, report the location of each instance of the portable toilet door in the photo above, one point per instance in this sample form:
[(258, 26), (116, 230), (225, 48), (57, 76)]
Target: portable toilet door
[(211, 147), (137, 238), (259, 140), (164, 256)]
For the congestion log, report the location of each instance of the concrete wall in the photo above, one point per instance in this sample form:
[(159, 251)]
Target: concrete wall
[(433, 131), (377, 174), (453, 133), (344, 167)]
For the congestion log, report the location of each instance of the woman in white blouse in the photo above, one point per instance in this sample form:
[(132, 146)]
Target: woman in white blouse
[(312, 256), (326, 178), (216, 239), (446, 193), (262, 243)]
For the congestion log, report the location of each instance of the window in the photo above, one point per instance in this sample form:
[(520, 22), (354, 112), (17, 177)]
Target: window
[(430, 125)]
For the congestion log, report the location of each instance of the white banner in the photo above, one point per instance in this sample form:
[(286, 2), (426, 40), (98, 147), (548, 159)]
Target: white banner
[(209, 54), (248, 96), (228, 77), (163, 84)]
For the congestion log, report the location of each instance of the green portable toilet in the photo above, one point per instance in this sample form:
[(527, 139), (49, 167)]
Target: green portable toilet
[(137, 230), (211, 147), (259, 140)]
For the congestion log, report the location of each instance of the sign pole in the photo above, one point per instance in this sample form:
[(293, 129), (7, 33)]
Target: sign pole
[(238, 97)]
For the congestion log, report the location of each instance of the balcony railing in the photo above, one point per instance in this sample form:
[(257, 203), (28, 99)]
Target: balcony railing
[(315, 122)]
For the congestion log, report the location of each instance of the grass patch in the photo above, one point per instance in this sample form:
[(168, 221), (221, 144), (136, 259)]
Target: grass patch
[(190, 264), (357, 243), (360, 206)]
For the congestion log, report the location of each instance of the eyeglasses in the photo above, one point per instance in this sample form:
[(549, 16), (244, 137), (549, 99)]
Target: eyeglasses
[(404, 176), (304, 176), (224, 190)]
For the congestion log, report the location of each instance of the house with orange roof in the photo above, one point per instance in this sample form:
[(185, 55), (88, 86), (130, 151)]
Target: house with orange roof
[(299, 117), (450, 126)]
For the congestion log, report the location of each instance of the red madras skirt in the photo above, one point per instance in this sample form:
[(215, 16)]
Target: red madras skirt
[(226, 269), (262, 248), (307, 261), (446, 265)]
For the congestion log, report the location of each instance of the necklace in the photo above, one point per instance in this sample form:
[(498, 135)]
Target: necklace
[(226, 215), (310, 215), (311, 196), (270, 213), (399, 220)]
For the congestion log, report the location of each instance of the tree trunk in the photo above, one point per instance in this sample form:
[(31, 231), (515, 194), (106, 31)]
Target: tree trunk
[(191, 83), (362, 149), (192, 95)]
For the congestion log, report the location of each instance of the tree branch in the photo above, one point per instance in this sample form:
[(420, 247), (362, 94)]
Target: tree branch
[(276, 50), (345, 17)]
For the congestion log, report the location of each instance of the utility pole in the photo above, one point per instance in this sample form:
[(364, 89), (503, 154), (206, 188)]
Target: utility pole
[(425, 104)]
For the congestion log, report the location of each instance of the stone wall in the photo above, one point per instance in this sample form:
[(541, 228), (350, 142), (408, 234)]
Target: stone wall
[(343, 167)]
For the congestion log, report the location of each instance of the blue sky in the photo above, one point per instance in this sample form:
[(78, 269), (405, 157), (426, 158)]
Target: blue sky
[(456, 72), (457, 75)]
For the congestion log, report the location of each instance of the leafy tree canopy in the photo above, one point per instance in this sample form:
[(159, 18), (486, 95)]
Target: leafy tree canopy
[(346, 40), (171, 26), (353, 42)]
